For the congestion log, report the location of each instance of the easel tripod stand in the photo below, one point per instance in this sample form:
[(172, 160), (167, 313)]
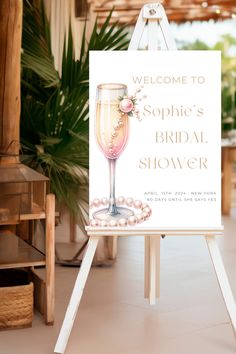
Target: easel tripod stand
[(153, 16)]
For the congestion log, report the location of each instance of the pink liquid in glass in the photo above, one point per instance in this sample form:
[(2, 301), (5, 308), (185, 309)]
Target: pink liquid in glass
[(112, 128)]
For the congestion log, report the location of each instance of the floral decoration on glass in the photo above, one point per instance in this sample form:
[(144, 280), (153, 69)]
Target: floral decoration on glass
[(129, 104)]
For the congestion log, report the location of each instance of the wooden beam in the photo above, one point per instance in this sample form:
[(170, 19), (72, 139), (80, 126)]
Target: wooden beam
[(171, 10), (177, 10), (10, 39), (128, 15), (166, 4)]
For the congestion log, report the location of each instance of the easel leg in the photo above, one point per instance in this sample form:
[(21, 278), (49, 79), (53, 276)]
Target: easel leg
[(158, 266), (76, 296), (152, 268), (222, 279), (146, 266), (112, 246)]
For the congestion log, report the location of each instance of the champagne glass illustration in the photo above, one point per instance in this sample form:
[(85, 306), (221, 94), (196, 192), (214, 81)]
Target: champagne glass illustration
[(112, 131)]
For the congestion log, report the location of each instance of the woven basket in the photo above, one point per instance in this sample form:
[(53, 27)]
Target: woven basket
[(16, 306)]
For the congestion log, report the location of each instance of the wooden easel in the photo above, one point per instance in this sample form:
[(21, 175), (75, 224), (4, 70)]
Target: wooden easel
[(152, 15)]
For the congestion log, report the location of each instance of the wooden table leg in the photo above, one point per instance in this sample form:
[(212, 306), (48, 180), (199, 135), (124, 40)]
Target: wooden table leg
[(222, 279), (76, 295), (50, 258), (226, 181)]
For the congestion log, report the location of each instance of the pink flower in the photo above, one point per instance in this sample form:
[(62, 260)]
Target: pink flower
[(126, 105)]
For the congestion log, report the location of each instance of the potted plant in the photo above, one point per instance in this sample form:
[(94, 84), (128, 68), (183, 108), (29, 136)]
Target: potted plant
[(54, 115)]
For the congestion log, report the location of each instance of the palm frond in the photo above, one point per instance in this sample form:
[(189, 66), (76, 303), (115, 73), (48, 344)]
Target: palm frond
[(54, 117), (37, 56)]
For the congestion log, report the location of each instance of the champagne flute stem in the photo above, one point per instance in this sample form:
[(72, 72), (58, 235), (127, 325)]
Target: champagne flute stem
[(112, 201)]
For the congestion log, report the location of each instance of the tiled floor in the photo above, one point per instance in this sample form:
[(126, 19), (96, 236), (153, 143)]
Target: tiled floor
[(114, 318)]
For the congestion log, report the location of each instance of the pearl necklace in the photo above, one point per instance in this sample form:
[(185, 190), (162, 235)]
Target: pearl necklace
[(126, 107), (118, 125), (144, 212)]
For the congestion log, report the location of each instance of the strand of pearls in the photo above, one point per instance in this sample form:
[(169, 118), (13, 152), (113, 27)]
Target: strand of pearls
[(143, 214), (126, 107), (117, 126)]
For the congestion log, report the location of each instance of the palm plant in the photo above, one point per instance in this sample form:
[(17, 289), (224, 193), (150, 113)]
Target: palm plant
[(54, 117)]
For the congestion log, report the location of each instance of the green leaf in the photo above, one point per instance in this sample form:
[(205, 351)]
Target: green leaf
[(55, 110)]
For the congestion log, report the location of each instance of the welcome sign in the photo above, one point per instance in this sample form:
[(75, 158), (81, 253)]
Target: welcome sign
[(155, 137)]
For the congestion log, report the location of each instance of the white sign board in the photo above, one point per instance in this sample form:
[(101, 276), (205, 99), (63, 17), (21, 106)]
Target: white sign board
[(155, 125)]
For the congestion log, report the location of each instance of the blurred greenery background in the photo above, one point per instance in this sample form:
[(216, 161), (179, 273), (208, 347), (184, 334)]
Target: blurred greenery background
[(225, 45)]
